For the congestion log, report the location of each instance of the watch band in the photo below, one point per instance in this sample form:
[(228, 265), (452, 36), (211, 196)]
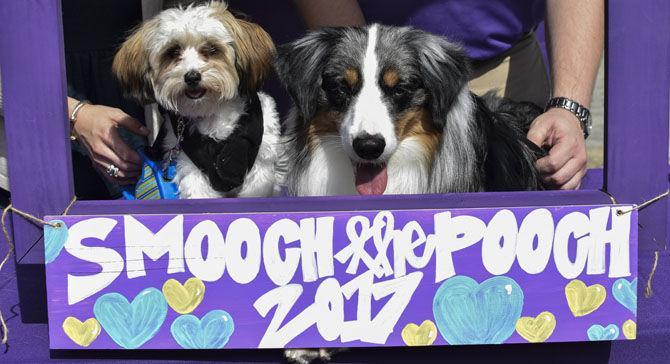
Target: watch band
[(582, 113)]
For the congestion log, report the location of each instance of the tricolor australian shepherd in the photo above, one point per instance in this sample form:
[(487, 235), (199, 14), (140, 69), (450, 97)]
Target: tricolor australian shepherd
[(387, 110)]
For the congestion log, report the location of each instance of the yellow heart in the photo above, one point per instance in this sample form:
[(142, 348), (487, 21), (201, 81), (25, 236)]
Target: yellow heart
[(82, 333), (414, 335), (536, 329), (184, 299), (629, 329), (583, 300)]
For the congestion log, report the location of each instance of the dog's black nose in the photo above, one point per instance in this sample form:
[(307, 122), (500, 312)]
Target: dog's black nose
[(192, 78), (368, 146)]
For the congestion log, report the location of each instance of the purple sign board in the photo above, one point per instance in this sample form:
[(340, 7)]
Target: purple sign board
[(329, 279)]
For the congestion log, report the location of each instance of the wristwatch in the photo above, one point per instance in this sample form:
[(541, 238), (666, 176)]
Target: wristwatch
[(582, 113)]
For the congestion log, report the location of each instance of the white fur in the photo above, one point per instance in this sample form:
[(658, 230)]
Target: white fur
[(329, 172), (369, 115), (223, 122), (177, 22), (262, 178), (408, 169), (260, 181), (191, 60)]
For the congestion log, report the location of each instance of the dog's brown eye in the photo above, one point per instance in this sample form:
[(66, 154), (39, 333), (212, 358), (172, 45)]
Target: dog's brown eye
[(400, 91), (174, 51), (210, 50), (335, 88), (403, 90)]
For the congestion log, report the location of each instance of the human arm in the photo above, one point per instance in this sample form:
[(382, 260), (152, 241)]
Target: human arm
[(96, 129), (328, 13), (575, 34)]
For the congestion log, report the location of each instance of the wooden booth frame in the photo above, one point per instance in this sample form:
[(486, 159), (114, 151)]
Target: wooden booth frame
[(37, 130)]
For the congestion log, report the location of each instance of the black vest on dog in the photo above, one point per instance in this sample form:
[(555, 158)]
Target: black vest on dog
[(225, 162)]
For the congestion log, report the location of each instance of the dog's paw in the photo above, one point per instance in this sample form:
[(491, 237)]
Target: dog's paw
[(307, 356)]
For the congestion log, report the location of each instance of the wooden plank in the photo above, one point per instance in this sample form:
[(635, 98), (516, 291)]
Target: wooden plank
[(34, 89), (434, 264), (593, 179), (638, 60)]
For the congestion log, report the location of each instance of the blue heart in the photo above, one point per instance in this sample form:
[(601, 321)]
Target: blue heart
[(599, 333), (212, 332), (54, 240), (626, 293), (131, 324), (470, 313)]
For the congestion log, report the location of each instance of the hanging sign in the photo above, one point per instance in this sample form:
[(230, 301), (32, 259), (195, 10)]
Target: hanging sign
[(347, 278)]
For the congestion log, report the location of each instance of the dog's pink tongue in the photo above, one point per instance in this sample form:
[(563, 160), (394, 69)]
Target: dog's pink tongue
[(371, 179)]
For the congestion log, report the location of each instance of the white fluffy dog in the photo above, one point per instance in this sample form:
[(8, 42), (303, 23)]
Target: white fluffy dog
[(203, 66)]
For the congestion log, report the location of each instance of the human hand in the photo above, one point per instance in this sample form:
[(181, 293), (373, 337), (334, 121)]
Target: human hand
[(96, 128), (565, 165)]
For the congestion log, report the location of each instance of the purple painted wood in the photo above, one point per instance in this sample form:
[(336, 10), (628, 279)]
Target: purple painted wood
[(638, 60), (593, 179), (33, 76), (637, 155), (526, 289)]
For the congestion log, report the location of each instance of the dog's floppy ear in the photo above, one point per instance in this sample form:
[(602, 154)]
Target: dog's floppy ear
[(254, 49), (300, 64), (444, 69), (131, 64)]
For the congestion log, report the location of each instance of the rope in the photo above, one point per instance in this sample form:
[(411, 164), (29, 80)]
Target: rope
[(10, 251), (643, 204), (10, 244), (614, 201), (648, 292), (69, 206)]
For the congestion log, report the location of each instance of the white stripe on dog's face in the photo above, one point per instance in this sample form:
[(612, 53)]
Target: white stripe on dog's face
[(191, 60), (369, 114)]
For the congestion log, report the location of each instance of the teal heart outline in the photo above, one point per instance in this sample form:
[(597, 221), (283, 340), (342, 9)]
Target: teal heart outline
[(54, 240), (599, 333), (467, 312), (210, 332), (625, 293), (131, 324)]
